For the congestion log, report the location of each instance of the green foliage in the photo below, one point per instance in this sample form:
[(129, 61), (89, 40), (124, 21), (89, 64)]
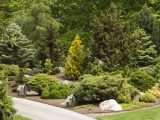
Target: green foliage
[(45, 93), (60, 91), (41, 81), (147, 97), (94, 68), (74, 60), (15, 48), (49, 47), (48, 87), (40, 26), (84, 76), (142, 81), (12, 71), (48, 66), (112, 41), (6, 107), (100, 88), (67, 38), (124, 94), (146, 50), (133, 105), (147, 21)]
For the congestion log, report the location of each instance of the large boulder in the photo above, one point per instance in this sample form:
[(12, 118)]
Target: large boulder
[(110, 105)]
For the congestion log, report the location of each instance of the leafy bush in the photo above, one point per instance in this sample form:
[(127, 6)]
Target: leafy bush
[(100, 88), (94, 68), (45, 93), (147, 97), (12, 71), (155, 91), (48, 66), (142, 81), (41, 81), (6, 107), (57, 92), (124, 95)]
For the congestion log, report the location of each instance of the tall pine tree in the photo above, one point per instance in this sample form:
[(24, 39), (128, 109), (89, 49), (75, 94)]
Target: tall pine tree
[(111, 40)]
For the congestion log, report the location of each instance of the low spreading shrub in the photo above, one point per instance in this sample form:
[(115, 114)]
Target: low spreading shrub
[(148, 98), (142, 81), (84, 76), (100, 88)]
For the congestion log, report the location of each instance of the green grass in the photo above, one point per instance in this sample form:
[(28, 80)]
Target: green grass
[(18, 117), (150, 114), (133, 105)]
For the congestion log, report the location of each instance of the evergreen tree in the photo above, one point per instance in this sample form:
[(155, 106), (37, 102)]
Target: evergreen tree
[(146, 51), (150, 24), (49, 47), (38, 18), (75, 59), (111, 40), (15, 48)]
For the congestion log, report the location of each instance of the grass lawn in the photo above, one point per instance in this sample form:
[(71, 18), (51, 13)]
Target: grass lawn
[(150, 114), (17, 117)]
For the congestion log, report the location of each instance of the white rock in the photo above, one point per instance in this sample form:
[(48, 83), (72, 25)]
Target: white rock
[(110, 105), (27, 76)]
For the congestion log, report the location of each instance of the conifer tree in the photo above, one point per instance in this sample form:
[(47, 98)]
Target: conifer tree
[(75, 59), (37, 20), (49, 47), (111, 40), (147, 21), (15, 48), (146, 48)]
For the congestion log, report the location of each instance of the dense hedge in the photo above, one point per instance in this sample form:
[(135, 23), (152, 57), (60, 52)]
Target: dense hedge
[(6, 110), (100, 88)]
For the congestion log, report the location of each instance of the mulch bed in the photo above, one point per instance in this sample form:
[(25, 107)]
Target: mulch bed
[(86, 109)]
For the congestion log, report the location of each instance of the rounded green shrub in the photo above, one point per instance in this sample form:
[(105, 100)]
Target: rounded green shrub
[(55, 94), (41, 81), (45, 94), (142, 81), (148, 98)]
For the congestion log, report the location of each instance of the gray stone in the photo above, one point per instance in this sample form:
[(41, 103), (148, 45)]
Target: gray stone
[(21, 90), (110, 105), (31, 72), (70, 101)]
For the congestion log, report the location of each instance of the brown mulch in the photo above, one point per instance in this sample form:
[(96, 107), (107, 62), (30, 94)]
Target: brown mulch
[(91, 109)]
